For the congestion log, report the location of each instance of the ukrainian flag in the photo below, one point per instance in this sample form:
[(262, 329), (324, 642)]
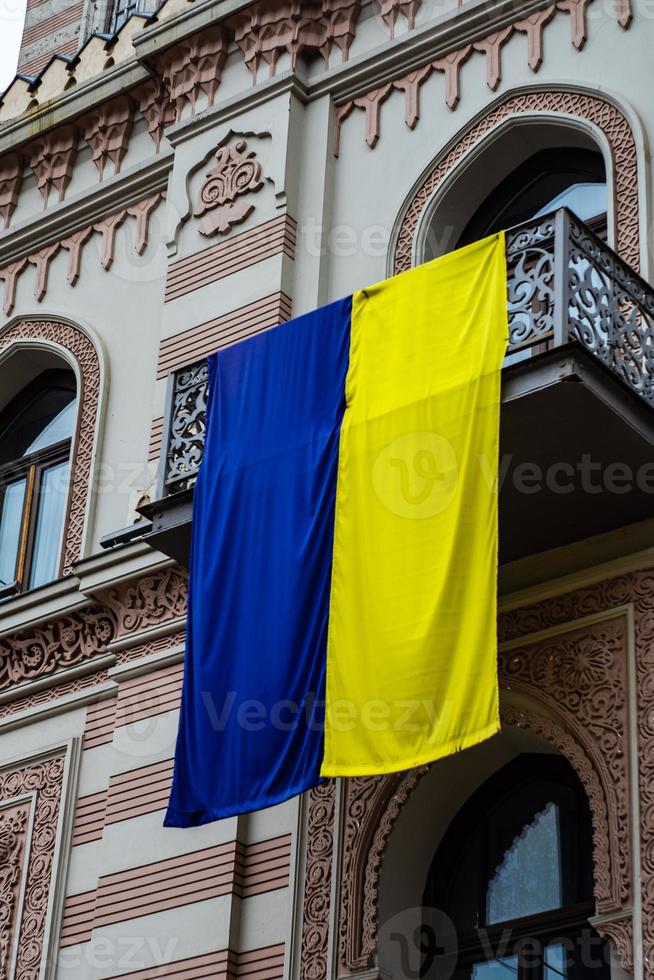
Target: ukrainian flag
[(342, 606)]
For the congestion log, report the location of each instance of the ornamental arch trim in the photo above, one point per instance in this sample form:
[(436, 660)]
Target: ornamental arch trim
[(373, 805), (71, 342), (591, 111)]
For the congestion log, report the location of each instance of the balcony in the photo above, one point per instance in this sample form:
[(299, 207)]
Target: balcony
[(577, 422)]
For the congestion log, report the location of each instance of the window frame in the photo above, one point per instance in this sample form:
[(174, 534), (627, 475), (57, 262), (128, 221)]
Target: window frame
[(32, 468), (470, 827)]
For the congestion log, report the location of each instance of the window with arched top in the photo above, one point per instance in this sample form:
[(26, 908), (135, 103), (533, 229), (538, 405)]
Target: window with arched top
[(574, 178), (36, 433), (514, 873)]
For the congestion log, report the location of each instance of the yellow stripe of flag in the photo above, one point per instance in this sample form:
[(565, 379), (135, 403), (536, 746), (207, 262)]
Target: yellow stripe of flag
[(412, 645)]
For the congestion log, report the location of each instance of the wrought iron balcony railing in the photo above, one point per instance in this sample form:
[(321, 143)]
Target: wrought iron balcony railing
[(565, 286)]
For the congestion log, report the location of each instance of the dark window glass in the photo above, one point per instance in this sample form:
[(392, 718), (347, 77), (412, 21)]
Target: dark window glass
[(122, 10), (550, 179), (36, 431), (514, 873)]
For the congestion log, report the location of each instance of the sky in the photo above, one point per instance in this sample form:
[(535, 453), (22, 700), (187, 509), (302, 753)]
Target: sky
[(12, 15)]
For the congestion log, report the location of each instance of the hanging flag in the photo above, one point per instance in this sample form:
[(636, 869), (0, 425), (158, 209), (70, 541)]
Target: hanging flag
[(342, 603)]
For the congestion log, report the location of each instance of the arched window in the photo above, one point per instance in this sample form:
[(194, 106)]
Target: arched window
[(550, 179), (36, 431), (514, 873)]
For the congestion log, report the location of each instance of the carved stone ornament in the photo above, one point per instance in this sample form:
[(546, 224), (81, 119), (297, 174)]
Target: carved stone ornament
[(27, 864), (490, 45), (236, 173), (154, 103), (595, 109), (11, 180), (107, 130), (74, 244), (194, 65), (577, 682), (264, 32), (87, 632), (52, 158)]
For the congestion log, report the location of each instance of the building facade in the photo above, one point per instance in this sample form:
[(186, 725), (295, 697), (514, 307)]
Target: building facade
[(175, 177)]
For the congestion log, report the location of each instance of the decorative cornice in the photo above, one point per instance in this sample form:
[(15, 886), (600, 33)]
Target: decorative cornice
[(52, 159), (87, 633), (107, 130), (263, 32), (490, 44), (74, 244), (193, 66), (11, 180)]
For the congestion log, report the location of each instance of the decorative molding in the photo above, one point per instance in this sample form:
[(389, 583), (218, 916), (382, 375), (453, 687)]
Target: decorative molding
[(153, 101), (13, 832), (264, 32), (490, 45), (194, 65), (74, 246), (106, 228), (591, 108), (578, 21), (52, 158), (9, 276), (30, 859), (79, 345), (391, 9), (86, 633), (533, 26), (237, 173), (11, 181), (107, 130), (579, 679), (318, 881), (42, 260)]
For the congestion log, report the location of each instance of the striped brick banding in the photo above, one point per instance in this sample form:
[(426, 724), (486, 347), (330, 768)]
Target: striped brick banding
[(149, 695), (256, 964), (90, 815), (100, 723), (77, 921), (191, 345), (144, 790), (274, 237), (156, 437), (195, 877), (266, 867), (35, 65), (47, 26)]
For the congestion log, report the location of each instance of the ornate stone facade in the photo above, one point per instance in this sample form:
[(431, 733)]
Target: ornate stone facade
[(237, 173), (72, 639), (598, 111), (577, 682), (27, 864)]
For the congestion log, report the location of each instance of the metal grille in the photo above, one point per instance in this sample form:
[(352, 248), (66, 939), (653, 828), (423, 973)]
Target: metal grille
[(564, 284)]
